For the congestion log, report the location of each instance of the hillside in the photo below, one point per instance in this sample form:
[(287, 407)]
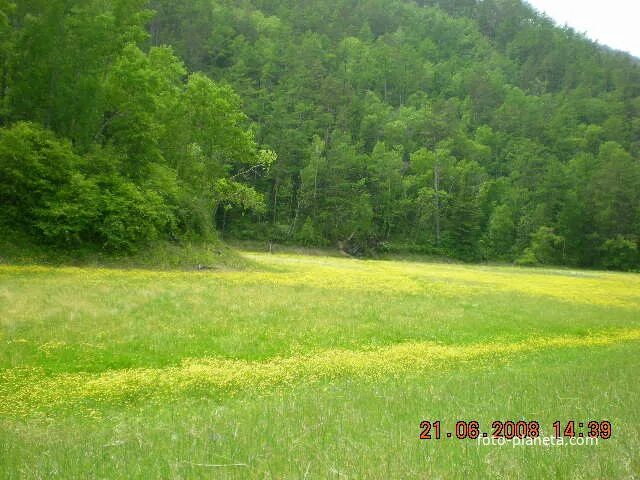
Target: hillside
[(477, 130)]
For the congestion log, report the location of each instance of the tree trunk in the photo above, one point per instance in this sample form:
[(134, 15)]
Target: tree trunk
[(436, 187), (275, 202)]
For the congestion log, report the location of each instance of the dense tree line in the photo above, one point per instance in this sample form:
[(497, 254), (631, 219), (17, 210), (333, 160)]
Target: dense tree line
[(475, 129), (109, 141)]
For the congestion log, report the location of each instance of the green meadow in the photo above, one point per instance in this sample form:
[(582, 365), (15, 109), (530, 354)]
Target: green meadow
[(300, 366)]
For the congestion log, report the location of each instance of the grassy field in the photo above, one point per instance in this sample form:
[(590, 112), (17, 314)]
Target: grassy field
[(312, 367)]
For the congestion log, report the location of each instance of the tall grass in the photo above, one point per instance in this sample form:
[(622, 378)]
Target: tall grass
[(316, 367)]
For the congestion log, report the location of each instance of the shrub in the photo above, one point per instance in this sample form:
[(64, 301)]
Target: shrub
[(546, 248), (307, 235), (500, 237), (620, 253), (45, 192), (34, 166)]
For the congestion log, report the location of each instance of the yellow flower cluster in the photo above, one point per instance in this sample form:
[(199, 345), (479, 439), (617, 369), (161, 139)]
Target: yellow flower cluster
[(597, 288), (25, 391)]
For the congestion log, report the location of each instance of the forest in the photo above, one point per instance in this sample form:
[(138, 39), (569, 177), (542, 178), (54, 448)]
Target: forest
[(476, 130)]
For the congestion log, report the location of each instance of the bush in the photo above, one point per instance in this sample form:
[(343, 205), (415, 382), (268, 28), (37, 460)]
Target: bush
[(131, 216), (307, 235), (620, 253), (34, 166), (528, 259), (500, 238), (116, 216), (45, 193), (68, 216), (546, 248)]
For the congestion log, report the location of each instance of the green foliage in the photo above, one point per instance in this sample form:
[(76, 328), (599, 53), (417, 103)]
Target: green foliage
[(620, 253), (46, 190), (457, 128), (148, 148), (307, 235), (454, 127), (500, 236), (546, 248), (229, 194), (34, 165)]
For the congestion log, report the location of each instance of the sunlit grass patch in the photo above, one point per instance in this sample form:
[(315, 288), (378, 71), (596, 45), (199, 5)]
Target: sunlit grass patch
[(91, 320), (598, 288)]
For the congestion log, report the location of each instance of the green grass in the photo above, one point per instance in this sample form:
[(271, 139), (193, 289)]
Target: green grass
[(312, 367), (17, 249)]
